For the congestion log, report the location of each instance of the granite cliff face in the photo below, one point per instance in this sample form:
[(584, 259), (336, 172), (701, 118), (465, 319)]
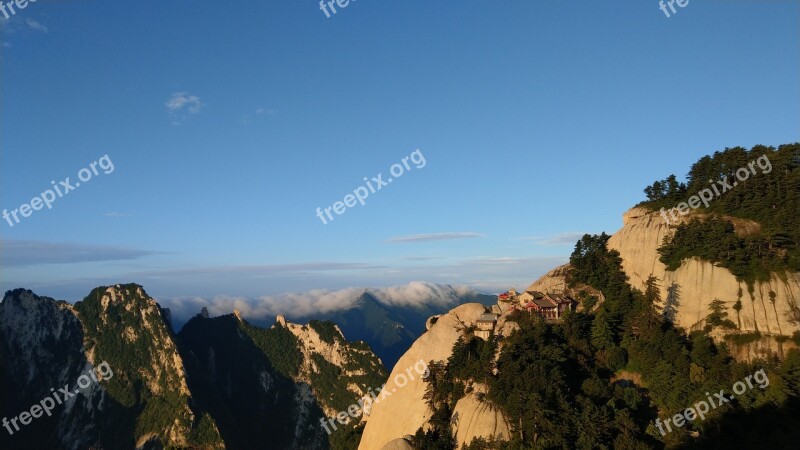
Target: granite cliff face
[(473, 417), (405, 411), (325, 351), (275, 384), (697, 283), (219, 383), (694, 285), (142, 399)]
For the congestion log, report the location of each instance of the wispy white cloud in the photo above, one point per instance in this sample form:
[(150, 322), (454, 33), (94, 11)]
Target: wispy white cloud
[(36, 26), (255, 270), (182, 104), (435, 237), (246, 118), (567, 238), (117, 214), (495, 260), (17, 26), (22, 253), (424, 258)]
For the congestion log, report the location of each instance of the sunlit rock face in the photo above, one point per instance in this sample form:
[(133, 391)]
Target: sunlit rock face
[(405, 411), (697, 283)]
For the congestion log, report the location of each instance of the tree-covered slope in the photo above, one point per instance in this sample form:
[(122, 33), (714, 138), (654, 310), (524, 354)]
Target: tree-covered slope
[(249, 398), (761, 185), (115, 353)]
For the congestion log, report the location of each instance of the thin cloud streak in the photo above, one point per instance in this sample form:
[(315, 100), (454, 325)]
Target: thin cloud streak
[(256, 270), (22, 253), (434, 237), (567, 238)]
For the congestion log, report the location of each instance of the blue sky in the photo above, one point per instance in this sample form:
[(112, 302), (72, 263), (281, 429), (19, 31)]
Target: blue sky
[(228, 124)]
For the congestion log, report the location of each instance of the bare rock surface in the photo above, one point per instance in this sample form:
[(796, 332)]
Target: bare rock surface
[(405, 410)]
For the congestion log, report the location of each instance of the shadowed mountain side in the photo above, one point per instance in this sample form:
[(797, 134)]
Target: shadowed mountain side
[(731, 431), (254, 405)]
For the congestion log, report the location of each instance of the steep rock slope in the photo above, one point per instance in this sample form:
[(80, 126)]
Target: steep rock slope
[(405, 410), (391, 328), (275, 384), (125, 327), (222, 383), (138, 400), (250, 399), (339, 371), (699, 282), (42, 348), (556, 281), (474, 417), (390, 331)]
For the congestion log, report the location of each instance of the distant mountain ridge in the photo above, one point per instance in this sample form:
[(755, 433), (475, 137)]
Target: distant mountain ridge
[(388, 324), (219, 383), (388, 319), (391, 329)]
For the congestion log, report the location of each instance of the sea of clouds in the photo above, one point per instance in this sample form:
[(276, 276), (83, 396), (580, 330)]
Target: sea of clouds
[(315, 302)]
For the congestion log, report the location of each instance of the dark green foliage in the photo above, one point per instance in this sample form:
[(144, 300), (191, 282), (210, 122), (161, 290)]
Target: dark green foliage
[(617, 358), (714, 239), (346, 437), (554, 394), (743, 338), (480, 443), (435, 438), (603, 334), (109, 328), (672, 302), (677, 370), (770, 197), (439, 436), (652, 294), (331, 383), (205, 432), (718, 315), (279, 345), (328, 386), (279, 349), (442, 391), (327, 330), (594, 265), (588, 301), (666, 190), (231, 377), (472, 358)]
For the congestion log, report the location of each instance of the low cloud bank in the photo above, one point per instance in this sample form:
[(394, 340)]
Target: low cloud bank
[(316, 302)]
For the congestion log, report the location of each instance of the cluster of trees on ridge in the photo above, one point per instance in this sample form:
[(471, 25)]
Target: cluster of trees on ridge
[(599, 380), (770, 198)]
